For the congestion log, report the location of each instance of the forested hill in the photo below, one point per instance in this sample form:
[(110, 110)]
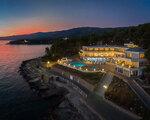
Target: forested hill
[(139, 35), (80, 31), (89, 35)]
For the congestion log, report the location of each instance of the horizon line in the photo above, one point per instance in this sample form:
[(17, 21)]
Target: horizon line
[(74, 28)]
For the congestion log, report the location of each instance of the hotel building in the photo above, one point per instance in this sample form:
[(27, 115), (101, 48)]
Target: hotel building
[(128, 59)]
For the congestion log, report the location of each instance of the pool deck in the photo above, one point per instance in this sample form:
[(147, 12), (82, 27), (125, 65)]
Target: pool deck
[(80, 66)]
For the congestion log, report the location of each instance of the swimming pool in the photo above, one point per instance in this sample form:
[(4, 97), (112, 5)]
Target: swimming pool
[(77, 63), (100, 60)]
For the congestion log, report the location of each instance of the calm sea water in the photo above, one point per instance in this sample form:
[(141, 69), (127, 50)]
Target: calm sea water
[(17, 100)]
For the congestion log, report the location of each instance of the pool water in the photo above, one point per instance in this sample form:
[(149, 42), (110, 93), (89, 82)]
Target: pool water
[(77, 64)]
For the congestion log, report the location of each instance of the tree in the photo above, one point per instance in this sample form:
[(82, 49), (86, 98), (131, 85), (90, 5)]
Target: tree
[(47, 51), (147, 54)]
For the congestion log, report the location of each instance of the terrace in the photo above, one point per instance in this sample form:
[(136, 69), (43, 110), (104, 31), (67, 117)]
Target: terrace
[(80, 65), (125, 64), (92, 78)]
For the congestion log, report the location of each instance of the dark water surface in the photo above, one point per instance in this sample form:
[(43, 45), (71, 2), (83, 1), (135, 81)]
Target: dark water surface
[(17, 101)]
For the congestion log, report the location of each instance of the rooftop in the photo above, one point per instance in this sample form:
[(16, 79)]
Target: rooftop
[(135, 50), (98, 46)]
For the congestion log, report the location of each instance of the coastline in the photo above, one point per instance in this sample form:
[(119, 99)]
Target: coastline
[(67, 104), (70, 102)]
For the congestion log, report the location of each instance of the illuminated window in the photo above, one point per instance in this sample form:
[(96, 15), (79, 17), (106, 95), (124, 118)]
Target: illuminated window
[(90, 48), (112, 49), (95, 54), (129, 55), (101, 48), (106, 49), (96, 48), (141, 55)]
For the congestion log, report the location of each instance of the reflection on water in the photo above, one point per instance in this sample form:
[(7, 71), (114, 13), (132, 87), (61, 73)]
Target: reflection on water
[(17, 101)]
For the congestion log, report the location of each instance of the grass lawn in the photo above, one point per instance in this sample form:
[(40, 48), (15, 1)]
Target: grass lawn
[(92, 78)]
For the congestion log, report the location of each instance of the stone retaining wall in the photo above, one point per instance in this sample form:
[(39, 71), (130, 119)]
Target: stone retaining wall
[(85, 84)]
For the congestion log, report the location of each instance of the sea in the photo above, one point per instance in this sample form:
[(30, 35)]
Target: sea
[(17, 100)]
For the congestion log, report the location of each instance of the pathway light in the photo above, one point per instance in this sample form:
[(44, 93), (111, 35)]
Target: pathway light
[(105, 86)]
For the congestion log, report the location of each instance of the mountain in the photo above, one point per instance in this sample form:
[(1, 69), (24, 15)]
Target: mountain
[(139, 35), (81, 31)]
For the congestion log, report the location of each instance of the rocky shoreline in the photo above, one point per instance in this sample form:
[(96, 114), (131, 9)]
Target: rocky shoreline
[(66, 104)]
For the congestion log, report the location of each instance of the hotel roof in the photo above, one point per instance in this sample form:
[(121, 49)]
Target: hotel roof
[(97, 46), (135, 50)]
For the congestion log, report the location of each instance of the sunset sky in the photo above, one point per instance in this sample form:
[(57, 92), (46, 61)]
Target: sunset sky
[(28, 16)]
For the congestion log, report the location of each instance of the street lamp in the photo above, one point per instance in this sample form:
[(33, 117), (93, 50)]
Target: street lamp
[(105, 86)]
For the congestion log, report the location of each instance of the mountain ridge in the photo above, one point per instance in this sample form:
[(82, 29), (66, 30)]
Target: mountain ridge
[(60, 33)]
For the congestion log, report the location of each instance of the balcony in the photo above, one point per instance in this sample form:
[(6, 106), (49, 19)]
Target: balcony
[(126, 66)]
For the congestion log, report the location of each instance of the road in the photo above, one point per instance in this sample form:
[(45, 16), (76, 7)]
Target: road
[(138, 90), (105, 81), (107, 110), (143, 96)]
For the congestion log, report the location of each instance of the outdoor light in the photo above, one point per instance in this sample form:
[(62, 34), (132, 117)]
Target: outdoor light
[(129, 66), (105, 86), (48, 62), (25, 41)]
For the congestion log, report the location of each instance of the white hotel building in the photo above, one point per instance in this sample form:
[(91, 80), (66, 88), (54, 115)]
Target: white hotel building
[(129, 59)]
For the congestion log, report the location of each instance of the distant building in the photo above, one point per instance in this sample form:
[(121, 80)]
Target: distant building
[(129, 59)]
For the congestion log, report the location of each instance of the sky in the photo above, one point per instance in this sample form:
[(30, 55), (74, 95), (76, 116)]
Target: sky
[(30, 16)]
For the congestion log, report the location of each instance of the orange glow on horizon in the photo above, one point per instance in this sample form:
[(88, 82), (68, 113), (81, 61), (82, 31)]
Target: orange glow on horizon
[(25, 28), (28, 29), (33, 26)]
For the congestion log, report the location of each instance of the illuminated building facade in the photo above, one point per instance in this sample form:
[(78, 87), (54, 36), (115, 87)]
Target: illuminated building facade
[(129, 59)]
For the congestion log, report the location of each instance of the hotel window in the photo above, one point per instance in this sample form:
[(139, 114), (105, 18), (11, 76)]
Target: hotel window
[(116, 49), (106, 49), (101, 48), (123, 50), (112, 49), (95, 54), (141, 55), (90, 48), (129, 55), (91, 54), (85, 48), (96, 48)]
